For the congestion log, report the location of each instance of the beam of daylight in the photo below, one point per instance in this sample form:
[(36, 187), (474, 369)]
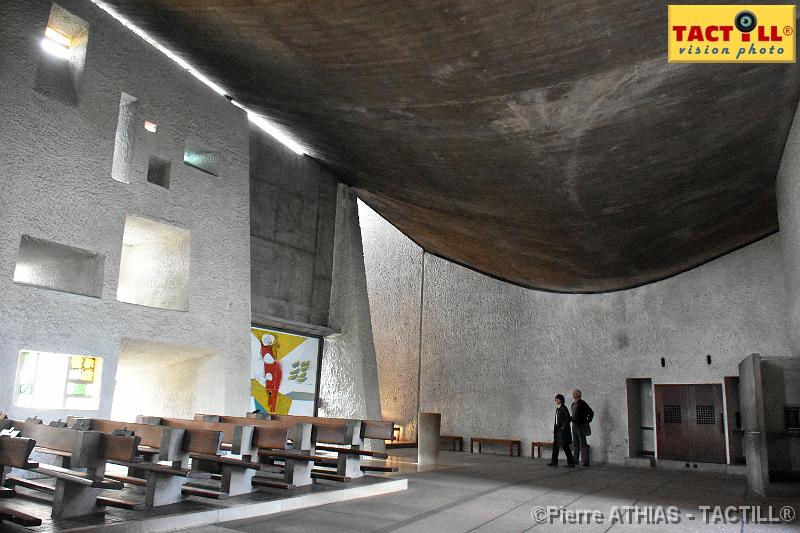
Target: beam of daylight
[(258, 120)]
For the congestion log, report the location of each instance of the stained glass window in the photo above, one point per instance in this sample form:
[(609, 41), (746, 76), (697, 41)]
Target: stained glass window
[(58, 381)]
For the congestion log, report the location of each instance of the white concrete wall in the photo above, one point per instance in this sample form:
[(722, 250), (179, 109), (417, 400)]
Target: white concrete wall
[(781, 387), (55, 184), (349, 376), (494, 355)]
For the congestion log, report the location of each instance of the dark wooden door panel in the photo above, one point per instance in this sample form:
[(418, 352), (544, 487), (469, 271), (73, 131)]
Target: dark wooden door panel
[(672, 429), (689, 423), (708, 428)]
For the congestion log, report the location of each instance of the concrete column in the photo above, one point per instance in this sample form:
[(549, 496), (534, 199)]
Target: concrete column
[(787, 191), (428, 433), (751, 390)]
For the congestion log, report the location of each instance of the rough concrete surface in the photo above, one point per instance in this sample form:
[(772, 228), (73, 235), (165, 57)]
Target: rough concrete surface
[(547, 143), (787, 190), (494, 355), (487, 494), (349, 382), (293, 211), (56, 184)]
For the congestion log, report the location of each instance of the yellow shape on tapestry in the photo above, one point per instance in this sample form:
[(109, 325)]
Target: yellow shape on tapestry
[(257, 391)]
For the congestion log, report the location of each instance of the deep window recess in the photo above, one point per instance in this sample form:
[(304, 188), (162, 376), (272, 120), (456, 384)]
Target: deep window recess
[(203, 158), (158, 171), (58, 381), (59, 267), (63, 56)]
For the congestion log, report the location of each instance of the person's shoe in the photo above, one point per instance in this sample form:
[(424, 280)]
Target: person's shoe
[(586, 465), (569, 466), (552, 464)]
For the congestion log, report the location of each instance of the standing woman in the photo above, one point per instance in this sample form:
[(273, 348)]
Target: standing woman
[(562, 436)]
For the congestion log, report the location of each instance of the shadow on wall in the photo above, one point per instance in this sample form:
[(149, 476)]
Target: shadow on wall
[(161, 379)]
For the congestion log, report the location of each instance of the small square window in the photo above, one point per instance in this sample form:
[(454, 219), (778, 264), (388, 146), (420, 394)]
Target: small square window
[(158, 171), (202, 158), (64, 43), (793, 417)]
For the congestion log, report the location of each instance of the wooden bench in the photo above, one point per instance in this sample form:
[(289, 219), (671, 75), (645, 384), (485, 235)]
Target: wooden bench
[(76, 491), (164, 483), (454, 440), (538, 445), (15, 453), (503, 442), (363, 430), (253, 443), (340, 436), (287, 440)]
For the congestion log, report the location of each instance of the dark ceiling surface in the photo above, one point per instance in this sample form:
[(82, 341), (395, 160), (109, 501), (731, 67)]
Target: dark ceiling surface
[(548, 143)]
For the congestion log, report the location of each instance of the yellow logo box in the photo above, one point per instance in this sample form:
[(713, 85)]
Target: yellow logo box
[(731, 33)]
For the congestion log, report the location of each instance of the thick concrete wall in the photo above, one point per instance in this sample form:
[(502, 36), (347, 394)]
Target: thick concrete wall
[(293, 210), (349, 379), (394, 278), (787, 191), (494, 355), (56, 184), (781, 387)]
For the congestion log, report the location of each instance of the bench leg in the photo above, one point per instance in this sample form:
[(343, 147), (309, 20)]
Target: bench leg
[(163, 489), (298, 473), (237, 480), (349, 466), (71, 500)]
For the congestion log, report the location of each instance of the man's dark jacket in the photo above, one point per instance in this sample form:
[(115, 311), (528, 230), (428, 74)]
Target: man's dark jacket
[(583, 415), (561, 429)]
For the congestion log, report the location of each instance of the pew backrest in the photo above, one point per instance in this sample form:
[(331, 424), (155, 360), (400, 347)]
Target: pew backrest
[(377, 429), (85, 448), (298, 432), (198, 437), (15, 451), (150, 435)]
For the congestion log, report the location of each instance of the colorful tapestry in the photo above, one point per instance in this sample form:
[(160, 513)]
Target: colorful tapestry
[(284, 372)]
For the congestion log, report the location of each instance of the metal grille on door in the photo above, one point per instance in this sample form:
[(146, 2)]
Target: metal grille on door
[(705, 414), (672, 414)]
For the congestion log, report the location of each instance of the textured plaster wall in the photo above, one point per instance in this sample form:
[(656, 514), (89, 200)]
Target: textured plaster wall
[(494, 355), (56, 184), (158, 379), (293, 210), (781, 386), (349, 378), (394, 277), (787, 190)]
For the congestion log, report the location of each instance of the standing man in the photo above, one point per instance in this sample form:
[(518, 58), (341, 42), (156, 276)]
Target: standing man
[(561, 435), (582, 416)]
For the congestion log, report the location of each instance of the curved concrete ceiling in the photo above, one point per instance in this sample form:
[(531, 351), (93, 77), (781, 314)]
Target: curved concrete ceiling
[(547, 143)]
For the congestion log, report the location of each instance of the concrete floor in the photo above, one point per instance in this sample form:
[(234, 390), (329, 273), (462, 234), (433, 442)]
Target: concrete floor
[(497, 493)]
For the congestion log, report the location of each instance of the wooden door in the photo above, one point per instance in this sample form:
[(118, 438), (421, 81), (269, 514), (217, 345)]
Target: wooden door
[(673, 432), (708, 427), (690, 423)]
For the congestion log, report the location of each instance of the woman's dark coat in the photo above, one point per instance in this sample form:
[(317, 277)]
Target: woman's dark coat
[(562, 432)]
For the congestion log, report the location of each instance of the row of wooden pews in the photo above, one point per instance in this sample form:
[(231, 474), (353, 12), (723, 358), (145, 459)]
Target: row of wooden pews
[(79, 472), (211, 456)]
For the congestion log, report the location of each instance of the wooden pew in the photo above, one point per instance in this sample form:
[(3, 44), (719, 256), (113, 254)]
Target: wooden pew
[(378, 430), (163, 483), (288, 440), (15, 453), (75, 493), (324, 432)]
